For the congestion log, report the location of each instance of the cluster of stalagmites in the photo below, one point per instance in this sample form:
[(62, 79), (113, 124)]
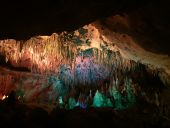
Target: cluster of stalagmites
[(107, 96)]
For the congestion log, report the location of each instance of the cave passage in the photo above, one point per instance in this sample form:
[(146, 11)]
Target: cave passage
[(67, 71)]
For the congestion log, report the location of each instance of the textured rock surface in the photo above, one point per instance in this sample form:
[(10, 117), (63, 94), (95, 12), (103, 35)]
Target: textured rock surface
[(37, 68), (87, 56)]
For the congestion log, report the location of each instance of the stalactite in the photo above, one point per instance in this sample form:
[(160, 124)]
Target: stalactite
[(62, 61), (130, 94)]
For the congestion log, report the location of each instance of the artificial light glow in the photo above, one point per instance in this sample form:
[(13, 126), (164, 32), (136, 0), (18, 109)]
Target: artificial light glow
[(4, 97)]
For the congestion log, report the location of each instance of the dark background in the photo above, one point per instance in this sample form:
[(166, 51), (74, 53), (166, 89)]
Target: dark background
[(23, 19), (26, 18)]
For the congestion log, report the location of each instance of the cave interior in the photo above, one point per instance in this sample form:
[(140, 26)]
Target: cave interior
[(85, 64)]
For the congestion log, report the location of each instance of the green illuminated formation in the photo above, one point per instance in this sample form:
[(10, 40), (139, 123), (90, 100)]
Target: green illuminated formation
[(71, 103), (61, 100), (98, 100), (129, 98), (117, 97), (101, 100), (109, 103), (61, 103)]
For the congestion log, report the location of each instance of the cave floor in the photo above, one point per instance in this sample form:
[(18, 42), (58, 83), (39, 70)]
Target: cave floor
[(21, 115)]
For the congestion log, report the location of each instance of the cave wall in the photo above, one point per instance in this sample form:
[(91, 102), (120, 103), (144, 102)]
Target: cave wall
[(45, 67)]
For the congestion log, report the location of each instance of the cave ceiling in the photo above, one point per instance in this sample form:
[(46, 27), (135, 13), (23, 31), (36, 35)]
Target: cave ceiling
[(149, 20)]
